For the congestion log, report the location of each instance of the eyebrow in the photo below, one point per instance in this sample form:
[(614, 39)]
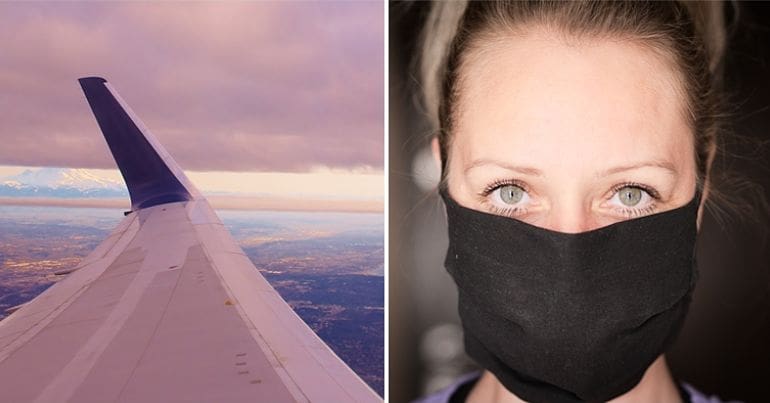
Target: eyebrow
[(666, 165), (521, 169)]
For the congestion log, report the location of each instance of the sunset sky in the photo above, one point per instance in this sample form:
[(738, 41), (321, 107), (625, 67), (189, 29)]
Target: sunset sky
[(282, 98)]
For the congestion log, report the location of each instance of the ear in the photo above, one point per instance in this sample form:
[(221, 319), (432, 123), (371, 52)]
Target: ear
[(436, 151)]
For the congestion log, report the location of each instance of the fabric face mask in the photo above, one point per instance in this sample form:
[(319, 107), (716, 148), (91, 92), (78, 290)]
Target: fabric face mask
[(560, 317)]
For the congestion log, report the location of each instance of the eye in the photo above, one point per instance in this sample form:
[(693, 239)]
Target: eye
[(506, 198), (632, 200)]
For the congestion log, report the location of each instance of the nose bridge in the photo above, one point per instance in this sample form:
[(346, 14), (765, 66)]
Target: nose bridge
[(570, 215)]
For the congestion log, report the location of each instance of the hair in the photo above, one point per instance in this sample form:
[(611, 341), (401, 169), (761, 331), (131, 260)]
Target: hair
[(690, 36)]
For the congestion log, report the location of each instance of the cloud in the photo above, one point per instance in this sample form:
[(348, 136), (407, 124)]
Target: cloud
[(224, 86)]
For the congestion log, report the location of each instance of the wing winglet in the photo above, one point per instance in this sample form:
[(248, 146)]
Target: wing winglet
[(152, 176)]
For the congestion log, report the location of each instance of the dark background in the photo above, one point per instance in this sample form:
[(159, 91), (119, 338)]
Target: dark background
[(724, 348)]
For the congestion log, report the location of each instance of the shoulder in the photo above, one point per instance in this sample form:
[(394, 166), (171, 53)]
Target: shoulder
[(447, 395), (697, 396)]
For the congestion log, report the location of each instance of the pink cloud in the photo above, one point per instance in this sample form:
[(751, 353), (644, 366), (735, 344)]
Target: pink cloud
[(226, 86)]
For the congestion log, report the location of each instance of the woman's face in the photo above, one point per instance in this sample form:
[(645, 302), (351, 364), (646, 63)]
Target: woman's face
[(570, 135)]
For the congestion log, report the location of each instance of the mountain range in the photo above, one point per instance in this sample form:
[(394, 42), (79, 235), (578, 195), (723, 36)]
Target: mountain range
[(61, 183)]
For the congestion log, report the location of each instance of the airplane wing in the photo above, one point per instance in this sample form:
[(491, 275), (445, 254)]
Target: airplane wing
[(168, 308)]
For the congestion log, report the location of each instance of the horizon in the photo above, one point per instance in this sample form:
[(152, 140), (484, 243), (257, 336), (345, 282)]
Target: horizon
[(324, 190)]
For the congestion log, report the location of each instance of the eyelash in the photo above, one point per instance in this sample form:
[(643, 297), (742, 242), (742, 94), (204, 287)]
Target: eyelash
[(628, 212), (498, 183)]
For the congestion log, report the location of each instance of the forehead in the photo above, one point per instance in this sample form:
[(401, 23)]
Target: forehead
[(535, 94)]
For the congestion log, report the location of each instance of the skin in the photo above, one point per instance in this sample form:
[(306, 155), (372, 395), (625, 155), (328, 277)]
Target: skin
[(570, 123)]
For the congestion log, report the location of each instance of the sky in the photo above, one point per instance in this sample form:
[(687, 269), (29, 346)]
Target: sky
[(241, 94)]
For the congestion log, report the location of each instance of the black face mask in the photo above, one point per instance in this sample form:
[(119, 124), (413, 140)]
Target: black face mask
[(560, 317)]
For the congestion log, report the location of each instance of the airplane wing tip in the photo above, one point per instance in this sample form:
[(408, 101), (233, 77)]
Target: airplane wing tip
[(151, 175), (92, 79)]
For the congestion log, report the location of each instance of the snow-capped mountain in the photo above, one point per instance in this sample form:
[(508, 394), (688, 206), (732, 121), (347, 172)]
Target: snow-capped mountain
[(60, 182)]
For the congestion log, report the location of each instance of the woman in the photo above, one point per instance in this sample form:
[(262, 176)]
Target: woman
[(575, 141)]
